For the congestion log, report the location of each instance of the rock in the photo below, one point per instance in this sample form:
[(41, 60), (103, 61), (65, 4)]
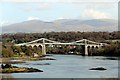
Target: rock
[(99, 68), (14, 69), (13, 62), (46, 59), (34, 70), (38, 64), (42, 64), (6, 66), (107, 58), (35, 59), (112, 58)]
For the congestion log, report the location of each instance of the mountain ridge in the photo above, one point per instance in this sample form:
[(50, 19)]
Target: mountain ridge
[(62, 25)]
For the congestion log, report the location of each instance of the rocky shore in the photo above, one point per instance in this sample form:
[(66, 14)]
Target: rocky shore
[(18, 60), (108, 58), (38, 64), (7, 68), (42, 59)]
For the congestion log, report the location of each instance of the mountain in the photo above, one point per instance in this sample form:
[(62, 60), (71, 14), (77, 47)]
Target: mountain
[(62, 25)]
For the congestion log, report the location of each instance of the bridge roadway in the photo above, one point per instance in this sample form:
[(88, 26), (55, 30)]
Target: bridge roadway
[(37, 44)]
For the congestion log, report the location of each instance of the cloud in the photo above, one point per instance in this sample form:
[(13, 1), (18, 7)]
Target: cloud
[(43, 5), (4, 23), (94, 14), (32, 6), (32, 18)]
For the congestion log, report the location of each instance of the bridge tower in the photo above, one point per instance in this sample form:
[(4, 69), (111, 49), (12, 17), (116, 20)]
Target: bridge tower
[(86, 43), (86, 48), (43, 47)]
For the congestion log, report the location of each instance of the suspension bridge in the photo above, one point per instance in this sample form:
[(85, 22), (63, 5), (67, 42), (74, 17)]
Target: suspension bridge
[(43, 42)]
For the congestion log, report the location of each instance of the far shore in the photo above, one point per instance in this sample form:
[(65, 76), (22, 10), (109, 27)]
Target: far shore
[(16, 60)]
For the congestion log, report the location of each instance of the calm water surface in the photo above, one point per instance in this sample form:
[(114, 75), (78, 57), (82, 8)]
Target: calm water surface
[(70, 66)]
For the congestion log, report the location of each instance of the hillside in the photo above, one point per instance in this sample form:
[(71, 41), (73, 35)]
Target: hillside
[(62, 25)]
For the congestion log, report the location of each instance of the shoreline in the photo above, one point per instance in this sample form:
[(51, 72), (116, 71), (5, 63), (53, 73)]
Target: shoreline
[(14, 69), (18, 60)]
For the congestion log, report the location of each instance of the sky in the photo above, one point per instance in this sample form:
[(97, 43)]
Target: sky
[(14, 11)]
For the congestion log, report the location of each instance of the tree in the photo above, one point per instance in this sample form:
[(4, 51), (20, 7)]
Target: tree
[(7, 52)]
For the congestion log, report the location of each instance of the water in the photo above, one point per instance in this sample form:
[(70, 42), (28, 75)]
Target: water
[(70, 66)]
